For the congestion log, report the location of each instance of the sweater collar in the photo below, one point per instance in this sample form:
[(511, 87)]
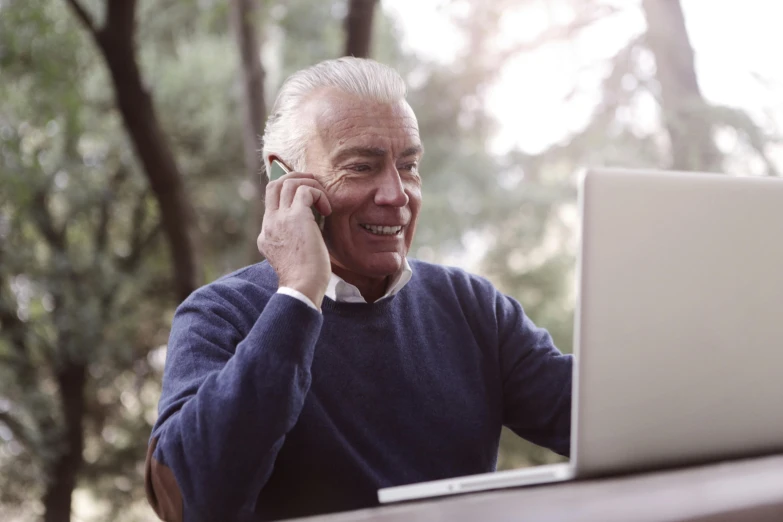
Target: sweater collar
[(340, 291)]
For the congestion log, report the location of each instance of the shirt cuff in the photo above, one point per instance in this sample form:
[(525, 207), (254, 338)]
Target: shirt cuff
[(296, 294)]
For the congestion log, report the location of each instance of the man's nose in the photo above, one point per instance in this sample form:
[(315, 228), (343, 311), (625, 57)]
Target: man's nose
[(390, 190)]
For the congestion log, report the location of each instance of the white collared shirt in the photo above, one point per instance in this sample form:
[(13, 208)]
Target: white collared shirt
[(340, 291)]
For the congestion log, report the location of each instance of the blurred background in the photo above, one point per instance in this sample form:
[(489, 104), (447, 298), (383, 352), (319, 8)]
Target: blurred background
[(129, 176)]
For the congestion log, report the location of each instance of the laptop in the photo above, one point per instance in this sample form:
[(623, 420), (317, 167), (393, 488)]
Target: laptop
[(678, 329)]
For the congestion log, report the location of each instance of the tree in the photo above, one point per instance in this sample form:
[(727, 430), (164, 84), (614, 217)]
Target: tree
[(521, 258), (358, 27), (82, 313), (243, 18), (73, 245), (115, 40), (682, 104)]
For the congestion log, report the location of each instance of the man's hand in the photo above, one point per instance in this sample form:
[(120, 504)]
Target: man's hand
[(290, 238)]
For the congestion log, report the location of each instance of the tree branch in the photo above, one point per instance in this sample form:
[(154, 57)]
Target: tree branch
[(120, 23), (9, 322), (84, 17), (131, 262), (682, 102), (561, 32), (150, 237), (101, 231), (17, 332), (45, 223), (9, 360), (358, 27), (116, 42), (139, 219), (243, 15), (18, 430)]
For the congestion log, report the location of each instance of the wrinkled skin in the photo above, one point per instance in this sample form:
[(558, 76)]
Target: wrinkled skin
[(362, 161)]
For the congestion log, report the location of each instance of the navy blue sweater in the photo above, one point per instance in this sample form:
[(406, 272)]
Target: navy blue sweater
[(272, 410)]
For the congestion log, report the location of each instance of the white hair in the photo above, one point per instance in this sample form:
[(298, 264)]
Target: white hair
[(286, 137)]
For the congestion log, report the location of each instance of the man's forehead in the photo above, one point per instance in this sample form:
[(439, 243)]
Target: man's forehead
[(336, 113)]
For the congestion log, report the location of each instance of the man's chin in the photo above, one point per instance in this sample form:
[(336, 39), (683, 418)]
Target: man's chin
[(378, 265)]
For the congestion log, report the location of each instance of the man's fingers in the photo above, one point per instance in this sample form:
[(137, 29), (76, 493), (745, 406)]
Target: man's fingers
[(307, 196), (274, 188), (297, 189), (322, 204), (290, 187), (272, 195)]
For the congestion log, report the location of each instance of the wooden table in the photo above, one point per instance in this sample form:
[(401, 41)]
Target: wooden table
[(743, 491)]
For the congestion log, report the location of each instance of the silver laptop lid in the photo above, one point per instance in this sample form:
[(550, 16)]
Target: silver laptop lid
[(679, 327)]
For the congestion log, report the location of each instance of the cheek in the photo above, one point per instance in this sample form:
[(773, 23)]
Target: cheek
[(339, 194), (348, 195), (332, 182), (414, 205), (414, 196)]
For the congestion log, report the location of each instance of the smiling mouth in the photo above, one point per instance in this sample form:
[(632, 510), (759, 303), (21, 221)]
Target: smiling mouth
[(380, 230)]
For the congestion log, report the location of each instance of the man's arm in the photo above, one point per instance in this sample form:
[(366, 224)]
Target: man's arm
[(234, 385), (537, 379)]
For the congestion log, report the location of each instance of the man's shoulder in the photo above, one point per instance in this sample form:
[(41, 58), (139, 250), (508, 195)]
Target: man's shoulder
[(248, 287), (434, 277), (260, 275)]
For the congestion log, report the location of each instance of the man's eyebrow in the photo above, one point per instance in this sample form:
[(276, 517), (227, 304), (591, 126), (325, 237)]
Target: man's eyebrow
[(375, 152), (412, 151)]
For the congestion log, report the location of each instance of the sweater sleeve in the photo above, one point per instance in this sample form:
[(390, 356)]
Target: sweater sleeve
[(536, 379), (233, 387)]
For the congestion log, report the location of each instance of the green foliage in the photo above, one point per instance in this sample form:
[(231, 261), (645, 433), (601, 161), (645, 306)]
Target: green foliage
[(80, 260)]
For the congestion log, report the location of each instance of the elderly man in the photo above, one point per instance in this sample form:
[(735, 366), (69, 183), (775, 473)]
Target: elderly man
[(302, 384)]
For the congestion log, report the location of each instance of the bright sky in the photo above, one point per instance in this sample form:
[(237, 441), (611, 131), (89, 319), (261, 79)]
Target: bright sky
[(736, 41)]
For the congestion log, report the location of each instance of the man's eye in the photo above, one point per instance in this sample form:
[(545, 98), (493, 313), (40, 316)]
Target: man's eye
[(360, 168), (410, 167)]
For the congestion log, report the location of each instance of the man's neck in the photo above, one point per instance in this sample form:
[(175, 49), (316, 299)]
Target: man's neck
[(371, 288)]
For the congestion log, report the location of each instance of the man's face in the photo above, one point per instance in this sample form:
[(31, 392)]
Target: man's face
[(366, 154)]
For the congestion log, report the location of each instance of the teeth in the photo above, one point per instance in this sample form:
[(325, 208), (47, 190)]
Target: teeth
[(384, 231)]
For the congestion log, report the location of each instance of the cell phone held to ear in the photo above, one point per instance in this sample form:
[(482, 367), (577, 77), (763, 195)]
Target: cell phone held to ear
[(278, 170)]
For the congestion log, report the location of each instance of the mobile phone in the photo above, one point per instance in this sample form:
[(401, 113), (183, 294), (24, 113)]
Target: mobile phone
[(277, 170)]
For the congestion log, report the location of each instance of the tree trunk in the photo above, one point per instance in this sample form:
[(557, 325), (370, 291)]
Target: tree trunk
[(141, 122), (358, 27), (682, 103), (57, 499), (116, 42), (243, 15)]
